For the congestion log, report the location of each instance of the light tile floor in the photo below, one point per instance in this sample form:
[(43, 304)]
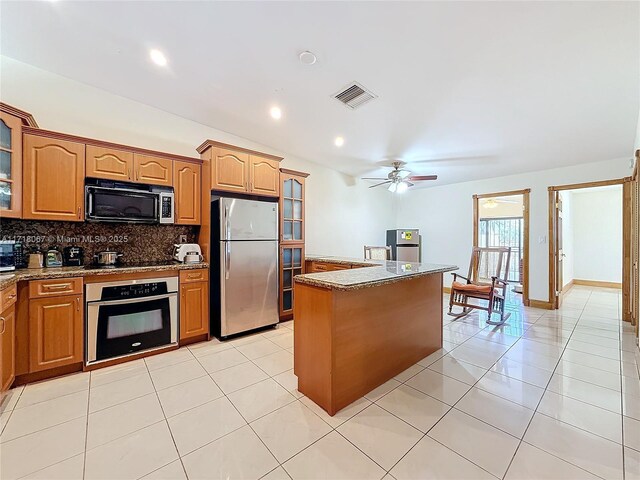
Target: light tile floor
[(550, 395)]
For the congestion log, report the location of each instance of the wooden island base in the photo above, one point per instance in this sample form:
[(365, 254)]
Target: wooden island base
[(348, 342)]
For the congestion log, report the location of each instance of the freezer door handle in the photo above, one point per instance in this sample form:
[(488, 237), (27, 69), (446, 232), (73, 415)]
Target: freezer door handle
[(227, 259), (226, 222)]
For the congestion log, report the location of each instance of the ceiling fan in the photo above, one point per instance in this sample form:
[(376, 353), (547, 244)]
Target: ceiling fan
[(399, 179)]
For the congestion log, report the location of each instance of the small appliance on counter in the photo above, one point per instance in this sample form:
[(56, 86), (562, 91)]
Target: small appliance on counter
[(187, 253), (36, 259), (73, 256), (7, 255), (53, 258), (107, 258)]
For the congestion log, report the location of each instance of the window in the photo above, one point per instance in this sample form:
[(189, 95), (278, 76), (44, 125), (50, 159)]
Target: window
[(504, 232)]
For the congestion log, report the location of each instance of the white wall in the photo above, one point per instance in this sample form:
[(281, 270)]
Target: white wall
[(342, 214), (567, 237), (444, 214), (596, 218)]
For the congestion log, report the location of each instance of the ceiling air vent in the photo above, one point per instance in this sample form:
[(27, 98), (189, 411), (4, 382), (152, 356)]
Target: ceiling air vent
[(354, 95)]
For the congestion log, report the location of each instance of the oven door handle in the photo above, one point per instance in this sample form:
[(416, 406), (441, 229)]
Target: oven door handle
[(132, 300)]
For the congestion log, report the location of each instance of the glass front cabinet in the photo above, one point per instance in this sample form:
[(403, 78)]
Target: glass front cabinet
[(12, 121), (291, 236), (10, 165)]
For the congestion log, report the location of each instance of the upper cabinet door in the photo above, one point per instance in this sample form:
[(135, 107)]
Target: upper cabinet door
[(152, 170), (264, 176), (10, 166), (187, 192), (229, 170), (53, 187), (109, 163)]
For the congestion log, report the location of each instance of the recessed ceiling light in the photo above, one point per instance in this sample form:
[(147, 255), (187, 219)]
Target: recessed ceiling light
[(307, 58), (339, 141), (158, 57), (276, 113)]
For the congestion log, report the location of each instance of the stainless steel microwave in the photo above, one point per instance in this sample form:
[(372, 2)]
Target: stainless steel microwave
[(108, 201)]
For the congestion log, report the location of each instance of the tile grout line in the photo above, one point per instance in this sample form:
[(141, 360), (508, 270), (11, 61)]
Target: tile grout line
[(538, 405), (166, 422), (86, 431)]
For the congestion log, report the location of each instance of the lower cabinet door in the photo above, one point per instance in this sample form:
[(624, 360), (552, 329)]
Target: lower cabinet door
[(55, 332), (7, 347), (194, 309)]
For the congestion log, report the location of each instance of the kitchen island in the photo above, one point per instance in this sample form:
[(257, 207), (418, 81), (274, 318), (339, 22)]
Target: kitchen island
[(358, 327)]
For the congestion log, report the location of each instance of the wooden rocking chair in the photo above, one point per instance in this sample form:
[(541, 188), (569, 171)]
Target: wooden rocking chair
[(486, 281)]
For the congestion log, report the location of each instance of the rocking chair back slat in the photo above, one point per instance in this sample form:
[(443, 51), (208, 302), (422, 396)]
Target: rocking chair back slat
[(486, 280)]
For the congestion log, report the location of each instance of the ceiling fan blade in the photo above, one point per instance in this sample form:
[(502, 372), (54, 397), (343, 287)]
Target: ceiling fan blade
[(373, 178), (418, 178), (378, 184)]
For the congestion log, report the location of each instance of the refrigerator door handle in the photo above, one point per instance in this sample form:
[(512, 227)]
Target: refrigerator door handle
[(227, 259), (226, 221)]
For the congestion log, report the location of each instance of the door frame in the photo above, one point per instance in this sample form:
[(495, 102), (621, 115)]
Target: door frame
[(525, 239), (554, 293)]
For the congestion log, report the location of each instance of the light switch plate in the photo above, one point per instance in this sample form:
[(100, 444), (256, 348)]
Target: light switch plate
[(182, 239), (542, 239)]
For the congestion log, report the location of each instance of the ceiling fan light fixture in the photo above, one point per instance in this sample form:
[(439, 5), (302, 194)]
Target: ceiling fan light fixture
[(402, 187), (393, 187)]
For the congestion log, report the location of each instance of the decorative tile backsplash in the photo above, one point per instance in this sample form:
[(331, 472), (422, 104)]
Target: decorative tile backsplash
[(139, 243)]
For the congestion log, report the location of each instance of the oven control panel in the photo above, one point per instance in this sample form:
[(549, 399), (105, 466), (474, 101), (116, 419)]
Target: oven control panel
[(138, 290)]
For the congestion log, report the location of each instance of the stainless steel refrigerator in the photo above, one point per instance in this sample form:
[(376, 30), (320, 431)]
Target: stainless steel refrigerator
[(244, 267), (405, 244)]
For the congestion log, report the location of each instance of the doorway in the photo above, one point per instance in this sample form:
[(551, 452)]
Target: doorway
[(501, 219), (587, 227)]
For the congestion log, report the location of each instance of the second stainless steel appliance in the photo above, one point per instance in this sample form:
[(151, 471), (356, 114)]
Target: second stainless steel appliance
[(244, 265), (405, 244), (109, 201), (127, 317)]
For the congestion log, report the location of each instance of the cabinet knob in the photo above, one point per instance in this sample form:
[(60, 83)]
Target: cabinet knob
[(78, 304), (3, 325)]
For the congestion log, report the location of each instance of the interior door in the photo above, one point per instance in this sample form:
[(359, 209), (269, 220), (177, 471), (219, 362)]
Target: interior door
[(249, 285), (559, 250)]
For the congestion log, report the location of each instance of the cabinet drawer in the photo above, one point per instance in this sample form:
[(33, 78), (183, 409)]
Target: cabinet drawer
[(8, 297), (320, 267), (55, 287), (190, 276), (340, 266)]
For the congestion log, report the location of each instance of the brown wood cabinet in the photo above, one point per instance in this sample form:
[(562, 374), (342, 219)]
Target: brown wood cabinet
[(10, 165), (229, 170), (187, 189), (7, 347), (55, 332), (264, 176), (194, 304), (53, 187), (236, 169), (292, 263), (152, 170), (109, 163)]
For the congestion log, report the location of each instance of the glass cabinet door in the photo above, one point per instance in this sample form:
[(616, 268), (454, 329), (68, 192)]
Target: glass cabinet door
[(10, 165), (292, 210), (292, 260)]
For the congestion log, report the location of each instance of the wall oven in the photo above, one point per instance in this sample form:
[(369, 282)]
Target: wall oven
[(109, 201), (128, 317)]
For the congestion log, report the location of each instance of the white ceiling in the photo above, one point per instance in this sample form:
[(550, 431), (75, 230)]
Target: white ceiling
[(498, 87)]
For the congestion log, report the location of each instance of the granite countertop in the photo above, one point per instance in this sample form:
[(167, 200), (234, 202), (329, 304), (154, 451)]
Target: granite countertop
[(343, 260), (378, 272), (6, 280)]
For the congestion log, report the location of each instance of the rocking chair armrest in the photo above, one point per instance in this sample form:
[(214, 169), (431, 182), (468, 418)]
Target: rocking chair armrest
[(499, 280), (456, 275)]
